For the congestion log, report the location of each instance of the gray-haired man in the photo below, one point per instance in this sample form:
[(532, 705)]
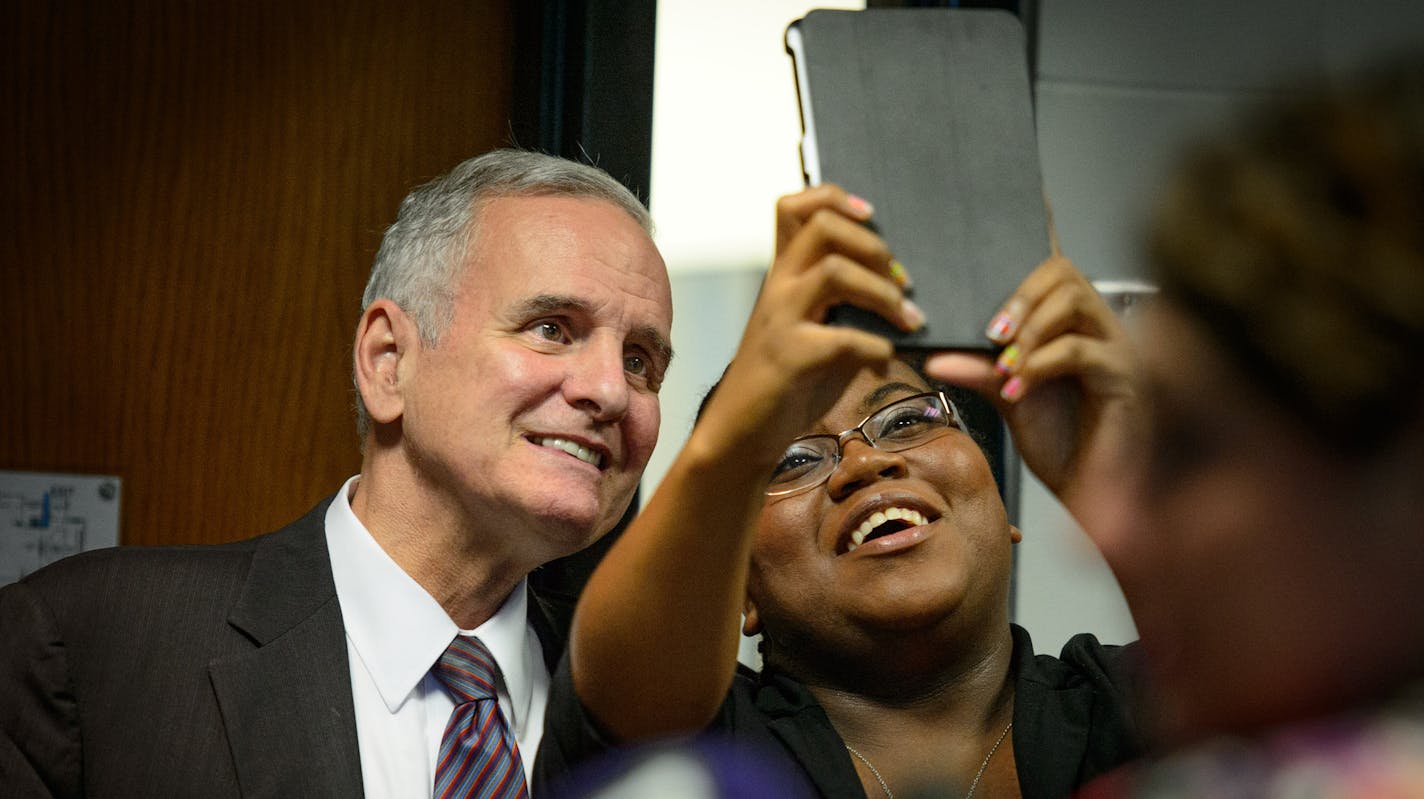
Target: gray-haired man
[(507, 361)]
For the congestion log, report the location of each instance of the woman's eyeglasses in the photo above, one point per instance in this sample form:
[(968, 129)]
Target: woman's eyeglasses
[(906, 423)]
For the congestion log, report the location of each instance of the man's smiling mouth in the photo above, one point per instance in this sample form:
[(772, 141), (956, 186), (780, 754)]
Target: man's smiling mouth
[(571, 447), (884, 522)]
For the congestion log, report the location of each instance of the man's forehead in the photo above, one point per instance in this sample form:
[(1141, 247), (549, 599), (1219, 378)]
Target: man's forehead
[(563, 241), (587, 232)]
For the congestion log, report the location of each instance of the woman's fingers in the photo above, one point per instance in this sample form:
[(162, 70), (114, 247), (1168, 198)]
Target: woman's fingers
[(1050, 274), (1054, 302), (790, 363), (837, 280), (972, 371), (847, 344), (828, 231), (1103, 367), (1071, 307), (827, 257), (793, 210), (824, 220), (787, 326)]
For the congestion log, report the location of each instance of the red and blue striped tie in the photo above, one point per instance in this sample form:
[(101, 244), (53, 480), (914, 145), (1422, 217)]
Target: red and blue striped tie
[(478, 755)]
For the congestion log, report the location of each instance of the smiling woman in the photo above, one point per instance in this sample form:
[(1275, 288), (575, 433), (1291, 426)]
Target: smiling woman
[(831, 499), (831, 570)]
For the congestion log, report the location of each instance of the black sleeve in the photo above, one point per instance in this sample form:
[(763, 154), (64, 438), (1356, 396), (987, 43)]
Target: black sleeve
[(39, 726), (571, 735), (1115, 674)]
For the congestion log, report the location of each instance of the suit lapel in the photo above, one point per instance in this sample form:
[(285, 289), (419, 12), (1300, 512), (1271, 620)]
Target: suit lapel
[(550, 619), (287, 703)]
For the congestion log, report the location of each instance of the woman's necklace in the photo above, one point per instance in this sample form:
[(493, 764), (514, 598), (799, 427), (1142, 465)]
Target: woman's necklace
[(975, 784)]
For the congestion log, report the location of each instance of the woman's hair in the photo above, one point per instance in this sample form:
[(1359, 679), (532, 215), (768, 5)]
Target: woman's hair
[(1300, 245)]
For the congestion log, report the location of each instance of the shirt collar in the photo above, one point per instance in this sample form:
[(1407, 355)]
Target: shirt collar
[(398, 629), (507, 636)]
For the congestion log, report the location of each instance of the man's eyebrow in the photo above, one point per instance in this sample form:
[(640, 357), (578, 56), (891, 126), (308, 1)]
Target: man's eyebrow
[(541, 304)]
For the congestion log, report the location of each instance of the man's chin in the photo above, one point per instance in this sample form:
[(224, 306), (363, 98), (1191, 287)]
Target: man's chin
[(568, 530), (569, 516)]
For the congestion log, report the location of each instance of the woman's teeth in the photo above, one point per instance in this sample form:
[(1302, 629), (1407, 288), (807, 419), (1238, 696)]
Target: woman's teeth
[(912, 518)]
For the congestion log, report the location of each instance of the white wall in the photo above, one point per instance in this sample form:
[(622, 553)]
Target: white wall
[(725, 132), (1122, 84), (725, 129)]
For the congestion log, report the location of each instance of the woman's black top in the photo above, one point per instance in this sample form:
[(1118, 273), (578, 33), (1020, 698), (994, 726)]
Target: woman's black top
[(1072, 722)]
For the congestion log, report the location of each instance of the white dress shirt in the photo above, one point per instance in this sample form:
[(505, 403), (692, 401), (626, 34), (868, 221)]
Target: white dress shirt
[(395, 632)]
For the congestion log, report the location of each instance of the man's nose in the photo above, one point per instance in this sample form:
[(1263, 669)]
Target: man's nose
[(596, 380)]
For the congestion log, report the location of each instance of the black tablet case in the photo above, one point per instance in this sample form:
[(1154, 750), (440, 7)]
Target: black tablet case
[(927, 113)]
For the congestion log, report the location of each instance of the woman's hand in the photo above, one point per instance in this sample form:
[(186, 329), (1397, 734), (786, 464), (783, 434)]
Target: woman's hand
[(1066, 379), (790, 366)]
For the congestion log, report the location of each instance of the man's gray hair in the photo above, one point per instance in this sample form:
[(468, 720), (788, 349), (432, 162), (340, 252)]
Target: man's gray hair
[(423, 253)]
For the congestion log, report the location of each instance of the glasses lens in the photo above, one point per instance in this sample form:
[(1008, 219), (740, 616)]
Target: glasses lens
[(908, 422), (805, 462)]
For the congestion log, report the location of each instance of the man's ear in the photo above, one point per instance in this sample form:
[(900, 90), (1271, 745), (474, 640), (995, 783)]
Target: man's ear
[(751, 622), (1015, 535), (384, 337)]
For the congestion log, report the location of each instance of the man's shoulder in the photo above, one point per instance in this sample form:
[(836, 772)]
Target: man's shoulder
[(102, 570), (117, 576)]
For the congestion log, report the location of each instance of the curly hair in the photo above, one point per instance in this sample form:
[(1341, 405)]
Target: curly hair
[(1300, 245)]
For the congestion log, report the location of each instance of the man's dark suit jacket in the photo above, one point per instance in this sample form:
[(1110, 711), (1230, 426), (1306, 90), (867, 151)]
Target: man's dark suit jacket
[(187, 671)]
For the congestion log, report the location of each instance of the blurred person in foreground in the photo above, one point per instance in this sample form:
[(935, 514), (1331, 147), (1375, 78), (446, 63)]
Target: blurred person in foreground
[(1270, 540)]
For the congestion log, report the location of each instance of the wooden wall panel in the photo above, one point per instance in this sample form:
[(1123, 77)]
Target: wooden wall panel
[(193, 193)]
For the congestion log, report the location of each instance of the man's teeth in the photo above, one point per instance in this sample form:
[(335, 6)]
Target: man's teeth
[(913, 518), (573, 448)]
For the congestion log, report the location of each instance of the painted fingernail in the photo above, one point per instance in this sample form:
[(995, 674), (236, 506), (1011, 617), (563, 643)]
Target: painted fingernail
[(899, 275), (1001, 328), (1012, 389), (860, 205), (912, 314), (1008, 359)]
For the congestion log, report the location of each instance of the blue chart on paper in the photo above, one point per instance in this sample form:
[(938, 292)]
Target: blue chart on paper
[(46, 516)]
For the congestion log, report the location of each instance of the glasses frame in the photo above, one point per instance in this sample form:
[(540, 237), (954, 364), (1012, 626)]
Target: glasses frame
[(954, 422)]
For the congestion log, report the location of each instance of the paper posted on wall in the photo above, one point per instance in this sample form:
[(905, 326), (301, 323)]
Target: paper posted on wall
[(47, 516)]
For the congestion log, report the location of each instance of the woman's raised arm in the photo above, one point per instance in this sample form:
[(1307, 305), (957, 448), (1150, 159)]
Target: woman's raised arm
[(654, 640)]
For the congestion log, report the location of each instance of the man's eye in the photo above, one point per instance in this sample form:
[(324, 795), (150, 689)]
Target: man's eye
[(635, 364), (550, 331)]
